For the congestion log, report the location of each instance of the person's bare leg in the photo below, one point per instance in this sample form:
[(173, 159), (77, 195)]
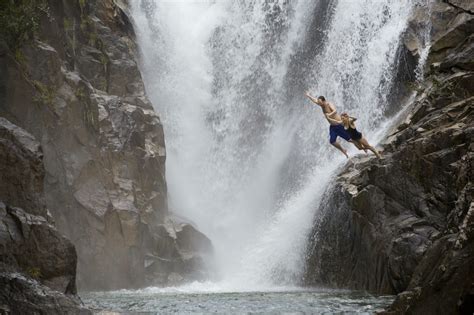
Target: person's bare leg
[(366, 145), (340, 148), (358, 145)]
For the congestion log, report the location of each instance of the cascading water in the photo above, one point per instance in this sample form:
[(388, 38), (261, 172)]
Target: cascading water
[(248, 156)]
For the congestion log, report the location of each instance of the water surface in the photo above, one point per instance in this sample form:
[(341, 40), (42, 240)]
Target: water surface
[(297, 301)]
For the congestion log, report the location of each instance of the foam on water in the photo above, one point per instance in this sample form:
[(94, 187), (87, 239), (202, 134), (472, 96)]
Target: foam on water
[(282, 302)]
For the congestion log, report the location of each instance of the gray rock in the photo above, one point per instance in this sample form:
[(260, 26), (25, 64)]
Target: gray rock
[(22, 295), (81, 95), (465, 5), (30, 246), (462, 58), (187, 258), (21, 166), (404, 224), (457, 31)]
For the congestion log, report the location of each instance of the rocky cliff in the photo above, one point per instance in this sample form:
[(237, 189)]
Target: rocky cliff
[(70, 78), (405, 224), (37, 263)]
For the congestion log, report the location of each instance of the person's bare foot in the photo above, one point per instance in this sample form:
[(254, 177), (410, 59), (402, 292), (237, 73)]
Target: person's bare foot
[(345, 153)]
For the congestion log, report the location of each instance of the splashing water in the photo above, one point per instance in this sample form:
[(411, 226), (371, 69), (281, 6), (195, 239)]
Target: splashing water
[(248, 156)]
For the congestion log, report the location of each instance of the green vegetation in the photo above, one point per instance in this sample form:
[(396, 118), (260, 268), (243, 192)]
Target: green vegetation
[(19, 20), (20, 57), (19, 23), (82, 4), (69, 30), (80, 93), (415, 86), (46, 94), (102, 84), (104, 59), (93, 38), (86, 23), (90, 115), (68, 24), (34, 272)]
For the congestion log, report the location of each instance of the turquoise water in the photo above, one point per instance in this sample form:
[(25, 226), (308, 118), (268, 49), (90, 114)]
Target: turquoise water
[(304, 301)]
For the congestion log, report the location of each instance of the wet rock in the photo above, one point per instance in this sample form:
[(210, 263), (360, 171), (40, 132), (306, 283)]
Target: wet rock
[(79, 91), (37, 263), (187, 258), (33, 246), (454, 37), (22, 295), (383, 218), (462, 59), (424, 24), (21, 168), (403, 224), (465, 5)]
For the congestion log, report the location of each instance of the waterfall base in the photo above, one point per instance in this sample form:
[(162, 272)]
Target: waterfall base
[(179, 300)]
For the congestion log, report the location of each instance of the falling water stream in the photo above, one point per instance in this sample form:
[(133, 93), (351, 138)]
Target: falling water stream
[(248, 157)]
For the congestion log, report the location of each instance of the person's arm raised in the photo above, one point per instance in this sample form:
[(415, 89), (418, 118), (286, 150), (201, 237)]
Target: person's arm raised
[(351, 121), (314, 100)]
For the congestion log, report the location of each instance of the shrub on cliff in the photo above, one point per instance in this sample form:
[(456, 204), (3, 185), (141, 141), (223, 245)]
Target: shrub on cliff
[(19, 20)]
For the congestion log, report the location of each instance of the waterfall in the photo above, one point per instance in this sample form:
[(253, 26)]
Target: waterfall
[(248, 155)]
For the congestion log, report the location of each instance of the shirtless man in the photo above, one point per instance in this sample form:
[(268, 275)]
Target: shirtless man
[(335, 127)]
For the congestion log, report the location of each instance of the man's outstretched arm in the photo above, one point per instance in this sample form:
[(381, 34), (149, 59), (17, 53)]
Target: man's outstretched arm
[(314, 100)]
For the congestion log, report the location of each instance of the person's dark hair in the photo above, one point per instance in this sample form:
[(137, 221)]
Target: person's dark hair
[(322, 98)]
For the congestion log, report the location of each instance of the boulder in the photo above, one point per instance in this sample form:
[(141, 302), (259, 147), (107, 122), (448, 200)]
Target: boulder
[(186, 259), (31, 245), (37, 263), (23, 295)]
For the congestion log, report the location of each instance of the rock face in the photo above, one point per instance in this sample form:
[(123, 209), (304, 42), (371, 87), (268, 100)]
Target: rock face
[(37, 264), (77, 88), (404, 224), (23, 295), (21, 168), (184, 259)]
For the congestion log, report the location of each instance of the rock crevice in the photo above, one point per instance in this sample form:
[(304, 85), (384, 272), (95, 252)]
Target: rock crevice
[(465, 6)]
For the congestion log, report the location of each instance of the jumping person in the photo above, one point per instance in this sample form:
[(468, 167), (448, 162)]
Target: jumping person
[(336, 129), (355, 135)]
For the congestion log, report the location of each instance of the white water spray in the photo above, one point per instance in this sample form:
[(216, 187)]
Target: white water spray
[(248, 156)]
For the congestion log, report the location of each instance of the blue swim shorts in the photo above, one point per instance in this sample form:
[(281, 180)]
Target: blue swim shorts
[(338, 130)]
